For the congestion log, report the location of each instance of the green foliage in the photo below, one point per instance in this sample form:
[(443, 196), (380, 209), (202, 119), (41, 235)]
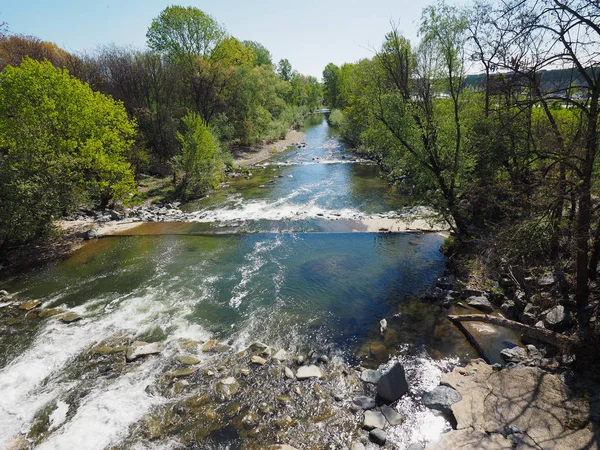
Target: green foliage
[(182, 32), (201, 162), (60, 143), (284, 69), (530, 241), (262, 56), (336, 119), (331, 85)]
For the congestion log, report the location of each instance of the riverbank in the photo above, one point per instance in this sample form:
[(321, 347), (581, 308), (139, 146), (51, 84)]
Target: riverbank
[(248, 156)]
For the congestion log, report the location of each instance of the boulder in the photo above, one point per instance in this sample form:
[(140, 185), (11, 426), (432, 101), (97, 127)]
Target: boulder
[(391, 415), (364, 402), (547, 280), (515, 354), (530, 314), (481, 303), (441, 398), (373, 419), (392, 385), (556, 318), (509, 308), (306, 372), (370, 376), (378, 436), (139, 349)]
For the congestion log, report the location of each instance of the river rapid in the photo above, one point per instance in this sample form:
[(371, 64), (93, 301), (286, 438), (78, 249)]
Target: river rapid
[(264, 262)]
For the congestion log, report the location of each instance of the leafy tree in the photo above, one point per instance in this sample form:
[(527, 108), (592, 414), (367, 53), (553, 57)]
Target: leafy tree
[(331, 85), (201, 161), (231, 52), (60, 143), (284, 69), (262, 56), (184, 32)]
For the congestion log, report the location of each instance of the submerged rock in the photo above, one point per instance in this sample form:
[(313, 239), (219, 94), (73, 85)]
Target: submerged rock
[(181, 372), (29, 305), (392, 385), (441, 398), (139, 349), (378, 436), (391, 415), (258, 360), (187, 360), (364, 402), (374, 419), (70, 317), (306, 372)]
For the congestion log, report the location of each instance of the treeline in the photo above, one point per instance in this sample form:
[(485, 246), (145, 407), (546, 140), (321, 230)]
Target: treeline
[(512, 156), (194, 92)]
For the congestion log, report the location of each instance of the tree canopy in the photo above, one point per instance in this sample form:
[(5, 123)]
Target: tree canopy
[(60, 143)]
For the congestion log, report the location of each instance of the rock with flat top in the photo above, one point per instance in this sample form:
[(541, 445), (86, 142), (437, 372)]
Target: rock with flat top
[(70, 317), (306, 372), (258, 360), (481, 303), (29, 305), (391, 415), (139, 349), (374, 419), (441, 398), (281, 355), (370, 376), (364, 402)]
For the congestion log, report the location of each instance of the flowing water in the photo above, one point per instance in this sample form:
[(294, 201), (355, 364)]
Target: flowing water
[(248, 270)]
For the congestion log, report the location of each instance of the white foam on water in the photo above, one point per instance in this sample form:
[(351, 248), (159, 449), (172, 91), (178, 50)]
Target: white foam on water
[(105, 415), (256, 259), (29, 382), (59, 415)]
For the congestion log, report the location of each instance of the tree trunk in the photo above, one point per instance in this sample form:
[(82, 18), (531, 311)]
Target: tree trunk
[(541, 334)]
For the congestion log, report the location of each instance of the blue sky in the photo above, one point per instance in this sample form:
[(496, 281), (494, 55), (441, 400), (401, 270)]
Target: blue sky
[(309, 33)]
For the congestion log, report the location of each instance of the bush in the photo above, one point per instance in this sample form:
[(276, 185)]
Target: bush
[(201, 162), (336, 119)]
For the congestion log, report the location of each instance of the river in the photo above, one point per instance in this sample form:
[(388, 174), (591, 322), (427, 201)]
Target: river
[(269, 259)]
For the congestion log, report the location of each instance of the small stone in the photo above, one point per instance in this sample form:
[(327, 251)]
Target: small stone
[(480, 303), (441, 398), (374, 419), (258, 347), (250, 421), (138, 349), (209, 373), (282, 447), (50, 312), (370, 376), (284, 422), (208, 347), (392, 385), (324, 359), (281, 355), (258, 360), (227, 388), (378, 436), (415, 446), (284, 399), (305, 372), (391, 415), (338, 397), (289, 373), (547, 280), (299, 359), (383, 326), (70, 317), (181, 372), (29, 305), (357, 446), (245, 372), (364, 402), (187, 360)]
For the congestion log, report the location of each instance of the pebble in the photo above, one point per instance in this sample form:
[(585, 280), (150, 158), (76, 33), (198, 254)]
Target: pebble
[(258, 360), (374, 419), (378, 436), (305, 372), (364, 402), (289, 373)]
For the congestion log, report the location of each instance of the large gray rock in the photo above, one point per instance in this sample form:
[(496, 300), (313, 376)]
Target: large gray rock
[(305, 372), (509, 308), (370, 376), (441, 398), (378, 436), (391, 415), (515, 354), (480, 303), (530, 314), (392, 385), (556, 318), (374, 419), (364, 402)]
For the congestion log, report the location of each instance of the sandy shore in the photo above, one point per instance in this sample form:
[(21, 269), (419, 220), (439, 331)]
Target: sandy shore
[(248, 156)]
